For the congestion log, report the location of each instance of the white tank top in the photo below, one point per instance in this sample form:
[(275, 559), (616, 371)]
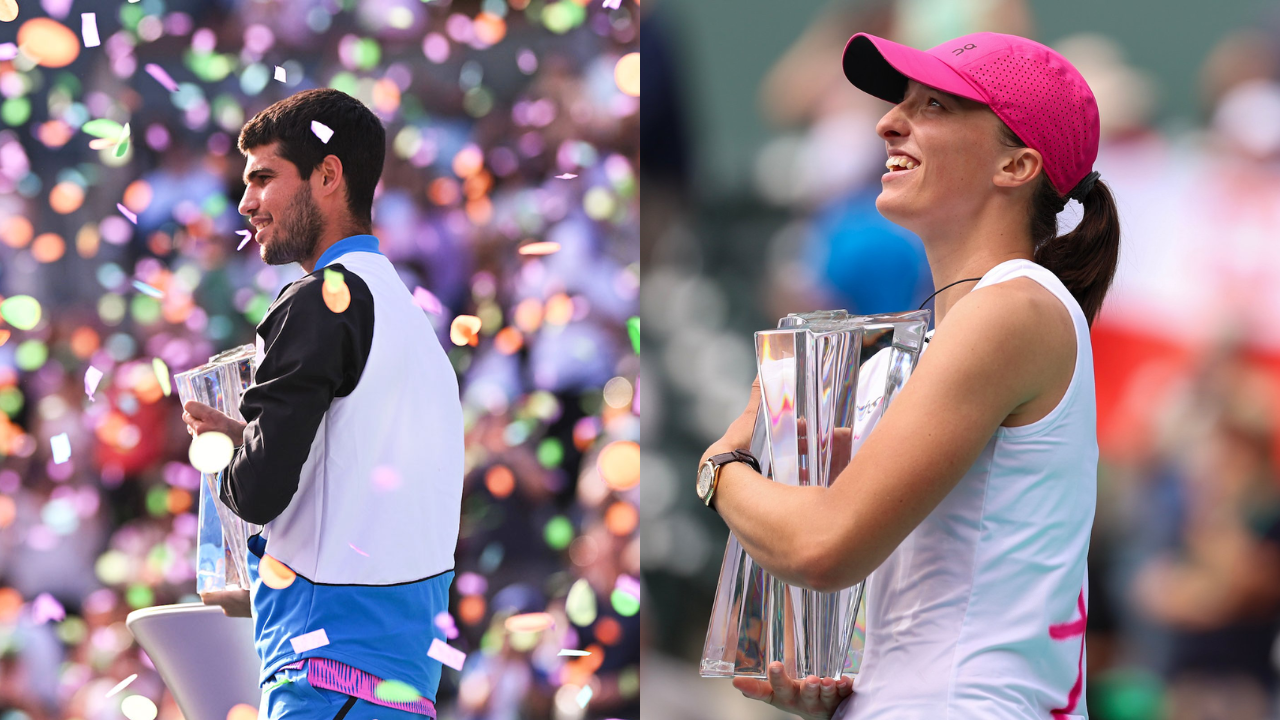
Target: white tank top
[(980, 612)]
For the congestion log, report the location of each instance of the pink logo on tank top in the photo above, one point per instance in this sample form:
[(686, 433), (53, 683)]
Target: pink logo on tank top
[(1064, 631)]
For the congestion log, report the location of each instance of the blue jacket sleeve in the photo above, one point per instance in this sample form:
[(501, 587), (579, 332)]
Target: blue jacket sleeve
[(311, 355)]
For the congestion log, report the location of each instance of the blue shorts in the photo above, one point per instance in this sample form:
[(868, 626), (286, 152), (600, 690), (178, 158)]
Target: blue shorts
[(296, 699)]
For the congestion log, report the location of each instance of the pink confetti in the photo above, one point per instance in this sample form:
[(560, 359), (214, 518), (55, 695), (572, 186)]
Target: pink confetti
[(447, 654), (612, 4), (309, 641), (92, 377), (89, 30), (566, 176), (44, 608), (248, 235), (423, 298), (161, 77), (8, 51), (444, 621), (353, 547), (628, 585), (125, 211)]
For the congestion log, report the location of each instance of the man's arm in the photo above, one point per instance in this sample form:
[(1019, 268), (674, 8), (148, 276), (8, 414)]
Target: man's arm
[(312, 355)]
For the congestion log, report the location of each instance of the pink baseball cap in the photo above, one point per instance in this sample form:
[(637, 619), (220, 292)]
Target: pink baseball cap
[(1034, 90)]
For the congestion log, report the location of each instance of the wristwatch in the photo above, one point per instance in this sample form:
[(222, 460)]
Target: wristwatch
[(709, 472)]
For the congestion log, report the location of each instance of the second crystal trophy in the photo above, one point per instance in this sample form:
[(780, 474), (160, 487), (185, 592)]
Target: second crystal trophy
[(222, 540), (825, 379)]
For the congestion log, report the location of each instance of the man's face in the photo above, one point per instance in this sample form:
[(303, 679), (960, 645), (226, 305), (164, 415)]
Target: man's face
[(280, 207)]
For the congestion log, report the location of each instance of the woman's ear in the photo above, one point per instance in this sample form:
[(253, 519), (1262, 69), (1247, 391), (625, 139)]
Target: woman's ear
[(1020, 166)]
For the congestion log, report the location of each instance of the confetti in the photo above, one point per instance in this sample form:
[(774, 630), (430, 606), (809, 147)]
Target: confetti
[(45, 608), (321, 131), (396, 691), (245, 711), (539, 248), (4, 336), (626, 74), (91, 378), (162, 374), (445, 622), (580, 605), (89, 30), (8, 10), (210, 452), (137, 707), (8, 51), (124, 684), (125, 212), (584, 696), (423, 298), (566, 176), (61, 448), (336, 294), (248, 235), (530, 622), (105, 128), (353, 547), (280, 77), (309, 641), (573, 653), (633, 330), (464, 330), (161, 77), (612, 4), (275, 574), (447, 654), (147, 289), (21, 311)]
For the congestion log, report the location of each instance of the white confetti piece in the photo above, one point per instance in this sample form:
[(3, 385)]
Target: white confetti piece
[(92, 377), (248, 235), (145, 288), (123, 684), (566, 176), (280, 74), (210, 452), (309, 641), (612, 4), (574, 653), (447, 654), (423, 298), (8, 51), (137, 707), (322, 131), (61, 448), (584, 695), (161, 77), (127, 213), (89, 30)]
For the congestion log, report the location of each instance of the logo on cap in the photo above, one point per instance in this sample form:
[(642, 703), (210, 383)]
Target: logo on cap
[(969, 46)]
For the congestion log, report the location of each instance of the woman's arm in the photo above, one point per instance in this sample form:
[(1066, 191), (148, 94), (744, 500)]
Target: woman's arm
[(999, 348)]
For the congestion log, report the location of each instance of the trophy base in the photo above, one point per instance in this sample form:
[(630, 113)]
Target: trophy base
[(724, 669)]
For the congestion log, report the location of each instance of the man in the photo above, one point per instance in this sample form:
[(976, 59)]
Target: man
[(351, 456)]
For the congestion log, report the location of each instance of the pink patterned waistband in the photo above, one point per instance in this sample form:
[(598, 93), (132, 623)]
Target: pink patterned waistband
[(333, 675)]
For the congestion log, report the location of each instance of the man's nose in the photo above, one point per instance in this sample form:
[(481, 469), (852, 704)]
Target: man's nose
[(248, 203)]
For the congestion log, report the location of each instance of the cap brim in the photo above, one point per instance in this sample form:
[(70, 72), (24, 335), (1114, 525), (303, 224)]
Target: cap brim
[(882, 67)]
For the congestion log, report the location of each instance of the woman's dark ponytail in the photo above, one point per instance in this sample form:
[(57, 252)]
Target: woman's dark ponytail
[(1084, 259)]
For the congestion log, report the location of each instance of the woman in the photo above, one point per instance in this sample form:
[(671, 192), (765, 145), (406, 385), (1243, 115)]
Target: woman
[(969, 508)]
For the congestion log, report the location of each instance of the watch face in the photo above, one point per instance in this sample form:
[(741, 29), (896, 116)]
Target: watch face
[(705, 473)]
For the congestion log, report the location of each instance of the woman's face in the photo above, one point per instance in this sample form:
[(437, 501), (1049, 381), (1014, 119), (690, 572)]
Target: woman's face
[(944, 155)]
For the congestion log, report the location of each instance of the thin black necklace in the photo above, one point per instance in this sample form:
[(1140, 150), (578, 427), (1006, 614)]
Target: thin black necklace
[(954, 283)]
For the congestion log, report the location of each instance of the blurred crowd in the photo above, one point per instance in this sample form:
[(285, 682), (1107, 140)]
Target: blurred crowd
[(1185, 560), (509, 123)]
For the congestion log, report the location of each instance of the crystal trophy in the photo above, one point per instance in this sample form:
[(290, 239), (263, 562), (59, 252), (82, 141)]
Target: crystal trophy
[(825, 379), (221, 562)]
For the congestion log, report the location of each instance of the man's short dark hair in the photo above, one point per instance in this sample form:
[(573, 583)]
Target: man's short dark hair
[(358, 140)]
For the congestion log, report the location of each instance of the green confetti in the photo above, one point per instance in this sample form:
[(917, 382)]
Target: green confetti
[(103, 128), (333, 279), (580, 606), (139, 596), (550, 452), (162, 374), (624, 603), (558, 532), (633, 329), (30, 355), (21, 311), (396, 691), (122, 148)]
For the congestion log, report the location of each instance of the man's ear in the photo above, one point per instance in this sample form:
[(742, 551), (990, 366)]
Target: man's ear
[(1020, 166), (331, 172)]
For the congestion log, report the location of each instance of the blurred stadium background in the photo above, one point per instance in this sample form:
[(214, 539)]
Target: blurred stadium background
[(508, 121), (761, 166)]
